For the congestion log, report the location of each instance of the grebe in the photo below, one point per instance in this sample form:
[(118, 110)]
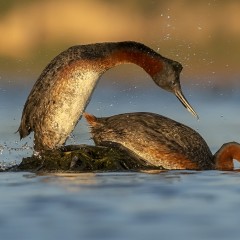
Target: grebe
[(161, 141), (63, 90)]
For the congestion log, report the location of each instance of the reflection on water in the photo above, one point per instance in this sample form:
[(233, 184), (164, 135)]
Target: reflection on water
[(71, 181), (156, 205), (171, 204)]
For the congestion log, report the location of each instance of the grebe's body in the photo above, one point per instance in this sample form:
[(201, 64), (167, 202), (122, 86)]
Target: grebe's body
[(161, 141), (64, 88)]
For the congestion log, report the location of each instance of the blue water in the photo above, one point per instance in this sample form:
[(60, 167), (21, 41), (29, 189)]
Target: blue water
[(159, 205), (167, 205)]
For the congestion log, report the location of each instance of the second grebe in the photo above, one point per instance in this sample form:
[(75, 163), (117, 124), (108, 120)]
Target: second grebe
[(161, 141), (63, 90)]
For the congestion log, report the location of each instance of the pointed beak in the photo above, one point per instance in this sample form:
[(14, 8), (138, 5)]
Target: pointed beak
[(184, 102)]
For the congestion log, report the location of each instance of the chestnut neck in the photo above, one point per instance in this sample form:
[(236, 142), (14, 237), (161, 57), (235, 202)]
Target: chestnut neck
[(223, 158), (136, 53)]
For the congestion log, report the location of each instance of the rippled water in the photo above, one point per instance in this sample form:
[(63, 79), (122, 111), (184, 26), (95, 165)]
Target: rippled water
[(167, 205), (159, 205)]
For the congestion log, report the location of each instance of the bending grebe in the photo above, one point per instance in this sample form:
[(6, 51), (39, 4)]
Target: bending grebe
[(63, 90), (161, 141)]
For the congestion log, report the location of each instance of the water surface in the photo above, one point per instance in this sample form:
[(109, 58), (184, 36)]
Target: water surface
[(159, 205), (167, 205)]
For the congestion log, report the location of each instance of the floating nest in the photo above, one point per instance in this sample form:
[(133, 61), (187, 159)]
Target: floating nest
[(84, 158)]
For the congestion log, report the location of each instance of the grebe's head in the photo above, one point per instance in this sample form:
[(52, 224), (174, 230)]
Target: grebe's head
[(169, 79)]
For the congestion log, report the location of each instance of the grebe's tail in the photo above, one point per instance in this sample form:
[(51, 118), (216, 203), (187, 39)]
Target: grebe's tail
[(23, 129), (91, 119)]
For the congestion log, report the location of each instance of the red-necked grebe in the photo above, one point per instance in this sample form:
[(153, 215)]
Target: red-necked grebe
[(63, 90), (161, 141)]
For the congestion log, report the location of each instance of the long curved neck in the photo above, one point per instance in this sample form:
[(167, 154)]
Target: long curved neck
[(224, 156), (132, 52), (100, 57)]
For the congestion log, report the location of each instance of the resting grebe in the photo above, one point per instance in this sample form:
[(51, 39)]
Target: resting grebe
[(161, 141), (63, 90)]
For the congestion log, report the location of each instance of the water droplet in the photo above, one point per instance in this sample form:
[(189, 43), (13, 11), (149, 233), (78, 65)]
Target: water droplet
[(1, 149), (37, 154)]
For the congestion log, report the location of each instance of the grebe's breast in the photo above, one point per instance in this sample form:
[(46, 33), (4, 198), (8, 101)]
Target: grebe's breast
[(68, 99), (58, 99), (157, 139)]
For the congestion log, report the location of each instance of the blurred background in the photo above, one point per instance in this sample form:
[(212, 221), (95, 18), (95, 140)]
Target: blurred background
[(202, 35)]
